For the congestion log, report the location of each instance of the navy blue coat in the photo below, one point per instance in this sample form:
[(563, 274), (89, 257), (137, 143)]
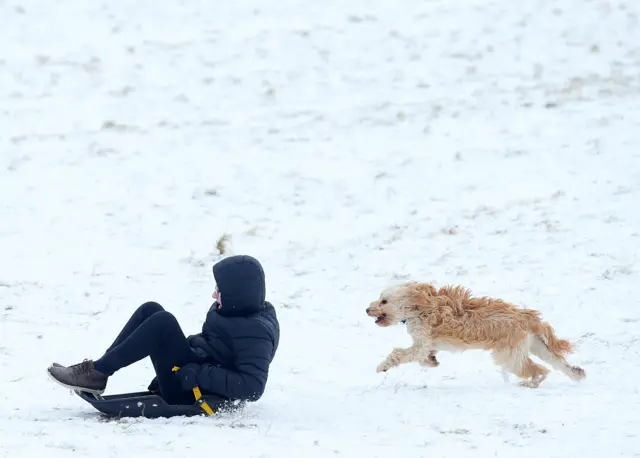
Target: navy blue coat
[(240, 335)]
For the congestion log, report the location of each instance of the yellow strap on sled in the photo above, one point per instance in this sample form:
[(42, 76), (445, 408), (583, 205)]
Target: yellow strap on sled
[(198, 395)]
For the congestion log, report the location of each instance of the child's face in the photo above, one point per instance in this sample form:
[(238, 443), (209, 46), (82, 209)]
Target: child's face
[(216, 295)]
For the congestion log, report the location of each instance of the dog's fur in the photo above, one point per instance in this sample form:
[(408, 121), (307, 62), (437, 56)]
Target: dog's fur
[(451, 319)]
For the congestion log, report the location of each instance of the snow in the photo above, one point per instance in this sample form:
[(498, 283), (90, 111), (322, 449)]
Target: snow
[(347, 145)]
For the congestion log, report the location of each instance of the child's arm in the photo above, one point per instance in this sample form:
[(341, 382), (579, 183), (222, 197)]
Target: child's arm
[(248, 380)]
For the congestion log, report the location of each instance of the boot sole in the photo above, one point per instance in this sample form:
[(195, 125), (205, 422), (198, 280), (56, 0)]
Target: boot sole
[(72, 387)]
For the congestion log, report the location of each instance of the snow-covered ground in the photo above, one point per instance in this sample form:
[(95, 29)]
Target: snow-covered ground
[(347, 145)]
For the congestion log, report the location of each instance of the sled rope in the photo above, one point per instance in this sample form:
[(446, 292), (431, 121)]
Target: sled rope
[(198, 395)]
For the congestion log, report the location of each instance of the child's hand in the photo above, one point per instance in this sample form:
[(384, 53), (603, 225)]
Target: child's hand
[(188, 375), (154, 386)]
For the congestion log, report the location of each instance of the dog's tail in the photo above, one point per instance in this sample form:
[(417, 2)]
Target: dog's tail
[(542, 329)]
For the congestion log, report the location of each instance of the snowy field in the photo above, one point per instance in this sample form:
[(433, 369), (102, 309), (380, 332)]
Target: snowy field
[(347, 145)]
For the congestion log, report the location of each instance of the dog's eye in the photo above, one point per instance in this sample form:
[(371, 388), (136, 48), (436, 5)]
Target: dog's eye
[(384, 301)]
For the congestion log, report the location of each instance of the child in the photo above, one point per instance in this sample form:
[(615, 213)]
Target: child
[(230, 358)]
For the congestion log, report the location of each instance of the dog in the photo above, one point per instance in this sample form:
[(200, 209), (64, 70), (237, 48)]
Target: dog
[(451, 319)]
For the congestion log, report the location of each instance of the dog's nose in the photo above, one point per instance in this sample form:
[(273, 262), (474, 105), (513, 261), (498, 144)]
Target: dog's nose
[(367, 311)]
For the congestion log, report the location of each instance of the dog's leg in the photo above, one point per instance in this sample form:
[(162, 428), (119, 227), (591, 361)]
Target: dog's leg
[(534, 372), (431, 360), (540, 349), (396, 357), (403, 356), (517, 362)]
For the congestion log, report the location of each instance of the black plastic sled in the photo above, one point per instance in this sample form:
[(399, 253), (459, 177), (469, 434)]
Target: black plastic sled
[(149, 405)]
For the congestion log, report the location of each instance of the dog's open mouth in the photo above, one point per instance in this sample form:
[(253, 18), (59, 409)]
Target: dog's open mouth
[(381, 318)]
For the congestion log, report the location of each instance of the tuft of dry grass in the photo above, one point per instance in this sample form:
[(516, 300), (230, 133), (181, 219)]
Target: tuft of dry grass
[(223, 242)]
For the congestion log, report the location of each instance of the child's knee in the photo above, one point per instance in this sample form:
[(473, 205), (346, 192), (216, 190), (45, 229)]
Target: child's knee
[(164, 318), (151, 307)]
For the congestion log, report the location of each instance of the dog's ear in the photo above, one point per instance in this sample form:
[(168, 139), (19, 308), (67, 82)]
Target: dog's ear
[(411, 307), (413, 300)]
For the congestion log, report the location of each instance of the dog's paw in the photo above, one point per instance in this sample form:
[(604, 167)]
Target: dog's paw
[(431, 362), (577, 373), (529, 384), (384, 366)]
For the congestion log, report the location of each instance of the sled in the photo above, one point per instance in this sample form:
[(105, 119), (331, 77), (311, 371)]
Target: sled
[(151, 405), (148, 405)]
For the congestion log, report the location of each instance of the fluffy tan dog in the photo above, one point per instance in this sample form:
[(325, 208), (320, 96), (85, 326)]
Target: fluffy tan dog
[(451, 319)]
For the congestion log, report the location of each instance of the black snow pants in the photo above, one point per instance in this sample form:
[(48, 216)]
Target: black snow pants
[(154, 332)]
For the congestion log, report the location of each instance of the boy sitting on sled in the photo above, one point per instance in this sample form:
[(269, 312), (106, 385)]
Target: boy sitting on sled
[(230, 358)]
